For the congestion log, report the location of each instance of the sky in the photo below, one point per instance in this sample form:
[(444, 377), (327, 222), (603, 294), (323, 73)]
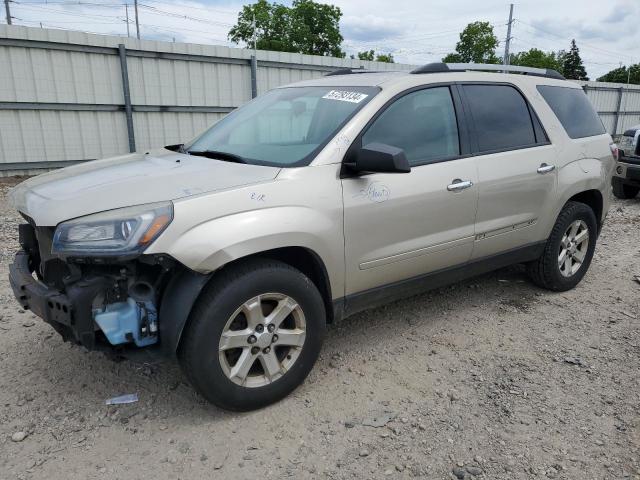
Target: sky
[(414, 31)]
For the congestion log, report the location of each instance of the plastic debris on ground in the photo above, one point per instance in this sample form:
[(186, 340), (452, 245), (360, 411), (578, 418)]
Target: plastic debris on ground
[(122, 399)]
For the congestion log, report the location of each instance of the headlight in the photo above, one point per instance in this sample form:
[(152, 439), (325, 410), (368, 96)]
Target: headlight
[(115, 232)]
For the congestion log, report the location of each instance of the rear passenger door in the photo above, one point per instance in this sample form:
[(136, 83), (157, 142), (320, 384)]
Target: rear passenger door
[(516, 168)]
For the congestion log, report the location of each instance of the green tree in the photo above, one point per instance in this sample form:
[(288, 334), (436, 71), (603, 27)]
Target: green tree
[(371, 56), (572, 67), (305, 27), (477, 44), (316, 28), (622, 74), (272, 24), (385, 58), (366, 55), (537, 58)]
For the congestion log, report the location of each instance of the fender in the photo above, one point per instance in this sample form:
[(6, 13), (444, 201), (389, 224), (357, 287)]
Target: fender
[(577, 177), (208, 246)]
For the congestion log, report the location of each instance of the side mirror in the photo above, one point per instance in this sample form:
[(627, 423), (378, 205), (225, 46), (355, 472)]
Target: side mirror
[(380, 157)]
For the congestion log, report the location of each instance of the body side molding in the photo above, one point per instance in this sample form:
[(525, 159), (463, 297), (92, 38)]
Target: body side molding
[(405, 288)]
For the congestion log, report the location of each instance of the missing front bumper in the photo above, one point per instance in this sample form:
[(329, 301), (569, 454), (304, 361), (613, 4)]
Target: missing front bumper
[(70, 313)]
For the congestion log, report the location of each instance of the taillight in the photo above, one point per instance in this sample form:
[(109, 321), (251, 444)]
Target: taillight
[(614, 150)]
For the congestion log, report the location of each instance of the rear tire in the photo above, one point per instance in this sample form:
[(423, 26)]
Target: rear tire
[(622, 190), (568, 251), (253, 335)]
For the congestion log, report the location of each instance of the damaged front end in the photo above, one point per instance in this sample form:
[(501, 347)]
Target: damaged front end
[(89, 278), (93, 301)]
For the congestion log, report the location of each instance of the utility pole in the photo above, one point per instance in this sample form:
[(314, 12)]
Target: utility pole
[(255, 34), (506, 59), (254, 62), (6, 7), (126, 11), (135, 4)]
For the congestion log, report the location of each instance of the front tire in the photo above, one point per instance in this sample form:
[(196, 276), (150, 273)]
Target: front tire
[(253, 335), (622, 190), (568, 251)]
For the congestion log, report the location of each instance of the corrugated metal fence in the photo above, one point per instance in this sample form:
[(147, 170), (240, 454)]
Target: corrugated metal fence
[(617, 104), (68, 96)]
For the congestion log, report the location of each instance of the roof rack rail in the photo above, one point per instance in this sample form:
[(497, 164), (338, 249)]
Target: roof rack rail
[(348, 71), (463, 67)]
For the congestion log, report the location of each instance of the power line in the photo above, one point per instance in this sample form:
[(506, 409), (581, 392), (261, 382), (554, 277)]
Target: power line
[(48, 25), (589, 46), (77, 22), (183, 5), (157, 11), (40, 6), (75, 3), (62, 12)]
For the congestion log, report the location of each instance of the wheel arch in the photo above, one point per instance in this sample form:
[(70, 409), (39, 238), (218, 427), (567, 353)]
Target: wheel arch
[(593, 199), (186, 286), (586, 181)]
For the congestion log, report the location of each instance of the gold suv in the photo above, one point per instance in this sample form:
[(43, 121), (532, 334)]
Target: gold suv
[(316, 200)]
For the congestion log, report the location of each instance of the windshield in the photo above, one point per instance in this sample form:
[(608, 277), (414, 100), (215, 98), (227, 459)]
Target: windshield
[(285, 127)]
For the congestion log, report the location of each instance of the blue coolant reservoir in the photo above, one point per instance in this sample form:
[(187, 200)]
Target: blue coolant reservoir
[(123, 321)]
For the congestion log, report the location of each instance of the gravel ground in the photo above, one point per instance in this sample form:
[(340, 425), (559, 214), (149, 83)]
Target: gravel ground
[(492, 378)]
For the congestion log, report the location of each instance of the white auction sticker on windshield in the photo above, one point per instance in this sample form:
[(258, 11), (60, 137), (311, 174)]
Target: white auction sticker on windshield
[(346, 96)]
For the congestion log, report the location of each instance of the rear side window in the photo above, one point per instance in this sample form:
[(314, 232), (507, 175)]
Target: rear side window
[(574, 110), (501, 117)]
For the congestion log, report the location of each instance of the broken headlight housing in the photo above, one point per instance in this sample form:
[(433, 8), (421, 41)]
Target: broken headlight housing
[(122, 231)]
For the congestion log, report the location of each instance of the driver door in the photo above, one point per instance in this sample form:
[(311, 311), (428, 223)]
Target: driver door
[(401, 226)]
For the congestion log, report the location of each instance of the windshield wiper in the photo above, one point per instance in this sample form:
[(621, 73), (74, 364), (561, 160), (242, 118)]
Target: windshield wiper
[(227, 157), (176, 148)]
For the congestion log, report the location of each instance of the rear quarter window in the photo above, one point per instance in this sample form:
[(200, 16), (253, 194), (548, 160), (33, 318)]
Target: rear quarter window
[(574, 110)]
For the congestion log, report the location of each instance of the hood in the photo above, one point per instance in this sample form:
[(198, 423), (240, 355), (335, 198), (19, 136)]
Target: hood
[(128, 180)]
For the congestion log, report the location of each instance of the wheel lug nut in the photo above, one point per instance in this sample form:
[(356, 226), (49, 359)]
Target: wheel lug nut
[(266, 350), (255, 350), (271, 328), (252, 339), (260, 328), (274, 338)]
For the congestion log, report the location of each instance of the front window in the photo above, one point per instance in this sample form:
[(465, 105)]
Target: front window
[(285, 127), (422, 123)]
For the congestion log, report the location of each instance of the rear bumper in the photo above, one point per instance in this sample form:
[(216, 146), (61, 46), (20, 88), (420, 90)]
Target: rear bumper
[(70, 313)]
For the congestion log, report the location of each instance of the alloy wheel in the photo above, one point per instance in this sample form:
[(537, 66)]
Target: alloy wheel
[(262, 340), (573, 248)]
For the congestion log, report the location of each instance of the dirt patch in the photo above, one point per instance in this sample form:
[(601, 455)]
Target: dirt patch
[(490, 378)]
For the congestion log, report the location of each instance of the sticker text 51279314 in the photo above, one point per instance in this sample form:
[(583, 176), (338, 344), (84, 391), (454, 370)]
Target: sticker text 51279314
[(346, 96)]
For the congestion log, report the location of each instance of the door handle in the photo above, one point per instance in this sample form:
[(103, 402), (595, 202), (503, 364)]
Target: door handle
[(458, 185), (544, 168)]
